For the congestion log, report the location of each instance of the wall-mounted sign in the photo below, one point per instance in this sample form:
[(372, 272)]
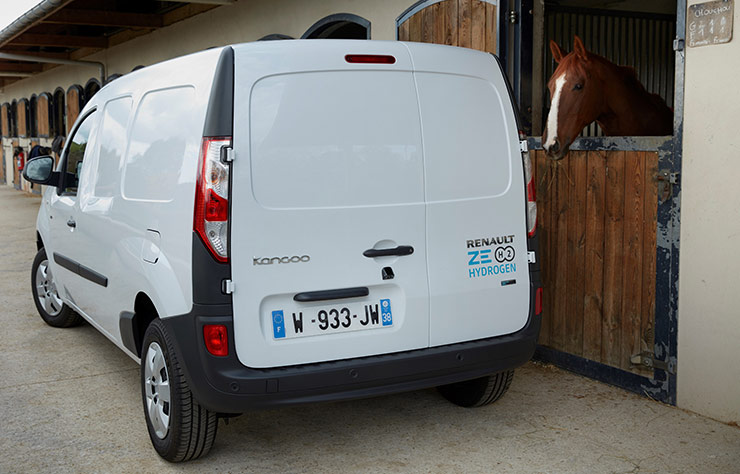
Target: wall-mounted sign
[(709, 23)]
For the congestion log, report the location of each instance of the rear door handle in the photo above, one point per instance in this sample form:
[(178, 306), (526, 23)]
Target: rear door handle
[(399, 251), (72, 223), (337, 294)]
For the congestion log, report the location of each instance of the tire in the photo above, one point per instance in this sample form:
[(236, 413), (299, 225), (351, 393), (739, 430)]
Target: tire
[(180, 429), (478, 392), (46, 297)]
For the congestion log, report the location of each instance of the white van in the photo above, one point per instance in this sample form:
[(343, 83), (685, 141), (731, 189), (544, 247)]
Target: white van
[(278, 223)]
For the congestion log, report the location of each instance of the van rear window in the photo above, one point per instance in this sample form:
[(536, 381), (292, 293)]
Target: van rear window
[(336, 139), (467, 145)]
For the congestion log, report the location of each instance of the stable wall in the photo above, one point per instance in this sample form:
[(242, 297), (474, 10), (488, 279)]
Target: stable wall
[(245, 20), (708, 314)]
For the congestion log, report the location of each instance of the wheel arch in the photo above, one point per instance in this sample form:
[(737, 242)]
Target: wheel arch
[(133, 325), (39, 241)]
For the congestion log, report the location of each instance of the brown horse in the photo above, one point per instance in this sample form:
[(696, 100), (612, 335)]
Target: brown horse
[(587, 87)]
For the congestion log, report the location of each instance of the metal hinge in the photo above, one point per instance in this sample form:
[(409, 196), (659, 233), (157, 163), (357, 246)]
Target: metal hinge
[(531, 257), (666, 181), (227, 154), (523, 146), (667, 177), (678, 44), (227, 287), (647, 359)]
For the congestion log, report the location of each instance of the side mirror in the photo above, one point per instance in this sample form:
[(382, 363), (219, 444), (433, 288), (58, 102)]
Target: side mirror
[(40, 170)]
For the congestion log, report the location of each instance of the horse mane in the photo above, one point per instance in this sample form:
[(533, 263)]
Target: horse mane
[(630, 78), (630, 74)]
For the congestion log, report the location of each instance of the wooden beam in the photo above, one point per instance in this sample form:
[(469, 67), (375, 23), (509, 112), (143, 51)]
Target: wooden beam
[(70, 41), (82, 53), (209, 2), (31, 25), (169, 18), (125, 35), (185, 12), (106, 18)]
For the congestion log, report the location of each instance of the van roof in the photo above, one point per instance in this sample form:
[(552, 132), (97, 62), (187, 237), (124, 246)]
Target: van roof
[(422, 57)]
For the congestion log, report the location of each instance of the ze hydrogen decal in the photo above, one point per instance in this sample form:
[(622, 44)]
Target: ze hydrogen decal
[(481, 262)]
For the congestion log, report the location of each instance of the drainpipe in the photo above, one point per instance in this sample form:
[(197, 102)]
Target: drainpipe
[(15, 74), (35, 14), (71, 62)]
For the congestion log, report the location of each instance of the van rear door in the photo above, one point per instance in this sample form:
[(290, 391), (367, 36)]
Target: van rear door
[(476, 220), (328, 242)]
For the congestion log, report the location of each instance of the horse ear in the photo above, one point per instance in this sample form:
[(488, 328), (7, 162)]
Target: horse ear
[(578, 48), (557, 53)]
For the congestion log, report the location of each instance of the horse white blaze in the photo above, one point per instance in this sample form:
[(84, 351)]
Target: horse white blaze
[(552, 117)]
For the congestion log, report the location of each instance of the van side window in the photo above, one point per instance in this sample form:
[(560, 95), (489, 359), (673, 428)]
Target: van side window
[(75, 154), (112, 145), (163, 134)]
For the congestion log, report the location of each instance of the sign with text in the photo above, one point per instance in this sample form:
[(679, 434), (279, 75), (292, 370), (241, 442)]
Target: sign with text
[(709, 23)]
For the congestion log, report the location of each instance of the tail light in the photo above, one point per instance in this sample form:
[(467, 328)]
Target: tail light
[(216, 338), (211, 220), (531, 196)]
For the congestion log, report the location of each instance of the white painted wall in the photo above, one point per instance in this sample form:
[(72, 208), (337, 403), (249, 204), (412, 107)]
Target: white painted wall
[(709, 311), (245, 20)]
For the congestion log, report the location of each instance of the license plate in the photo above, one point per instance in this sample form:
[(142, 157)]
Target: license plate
[(331, 319)]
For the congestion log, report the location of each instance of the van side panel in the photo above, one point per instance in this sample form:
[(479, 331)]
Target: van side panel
[(158, 181), (140, 192)]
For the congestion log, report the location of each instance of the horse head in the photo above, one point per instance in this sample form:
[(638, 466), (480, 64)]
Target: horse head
[(576, 98)]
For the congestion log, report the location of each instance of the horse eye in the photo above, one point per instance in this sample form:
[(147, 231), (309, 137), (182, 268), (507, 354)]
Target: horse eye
[(578, 87)]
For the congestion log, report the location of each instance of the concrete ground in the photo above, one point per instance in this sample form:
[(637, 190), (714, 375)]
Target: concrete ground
[(69, 401)]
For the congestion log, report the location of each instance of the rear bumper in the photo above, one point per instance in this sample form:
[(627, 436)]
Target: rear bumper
[(224, 385)]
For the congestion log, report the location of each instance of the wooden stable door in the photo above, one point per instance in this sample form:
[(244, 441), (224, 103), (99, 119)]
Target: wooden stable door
[(74, 105), (43, 124), (466, 23), (597, 217)]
